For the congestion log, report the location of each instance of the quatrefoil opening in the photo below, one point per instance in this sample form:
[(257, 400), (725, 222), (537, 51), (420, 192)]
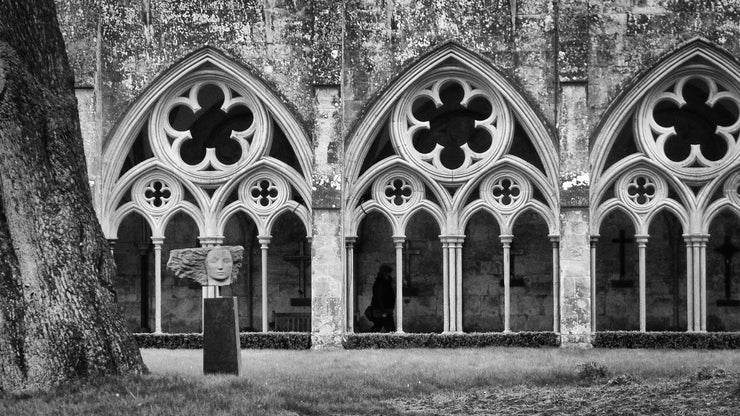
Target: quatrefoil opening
[(700, 116), (264, 192), (157, 193), (641, 190), (454, 124), (214, 118), (398, 191), (506, 191)]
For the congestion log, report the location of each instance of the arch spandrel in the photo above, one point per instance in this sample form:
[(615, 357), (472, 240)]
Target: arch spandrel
[(451, 85), (713, 77), (364, 130), (697, 50), (124, 132), (206, 87)]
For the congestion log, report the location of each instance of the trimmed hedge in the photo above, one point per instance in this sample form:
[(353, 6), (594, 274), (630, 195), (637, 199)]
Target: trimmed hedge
[(675, 340), (472, 340), (608, 339), (254, 340)]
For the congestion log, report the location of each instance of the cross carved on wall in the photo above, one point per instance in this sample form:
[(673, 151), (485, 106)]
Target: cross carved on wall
[(303, 261), (623, 240), (728, 250)]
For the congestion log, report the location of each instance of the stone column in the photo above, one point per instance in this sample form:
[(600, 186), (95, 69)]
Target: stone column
[(555, 241), (328, 291), (264, 245), (112, 245), (594, 240), (506, 244), (398, 243), (452, 282), (157, 241), (458, 283), (697, 246), (350, 247), (689, 283), (573, 128), (445, 283), (703, 240), (641, 247)]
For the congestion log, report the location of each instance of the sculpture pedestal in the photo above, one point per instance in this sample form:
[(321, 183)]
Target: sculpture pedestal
[(221, 348)]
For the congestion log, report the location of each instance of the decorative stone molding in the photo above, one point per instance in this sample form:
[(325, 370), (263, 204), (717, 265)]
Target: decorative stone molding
[(451, 96), (732, 189), (156, 192), (167, 140), (641, 190), (398, 191), (507, 191), (264, 192), (654, 136)]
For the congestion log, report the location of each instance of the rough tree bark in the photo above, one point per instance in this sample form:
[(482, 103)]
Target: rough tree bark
[(58, 317)]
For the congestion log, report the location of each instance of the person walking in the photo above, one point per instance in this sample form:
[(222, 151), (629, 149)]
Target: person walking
[(383, 301)]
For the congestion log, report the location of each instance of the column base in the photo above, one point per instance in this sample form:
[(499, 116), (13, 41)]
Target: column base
[(327, 342), (578, 341)]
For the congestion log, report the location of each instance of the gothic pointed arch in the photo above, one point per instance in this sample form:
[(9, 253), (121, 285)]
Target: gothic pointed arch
[(452, 88), (450, 137), (210, 123), (670, 144), (683, 118)]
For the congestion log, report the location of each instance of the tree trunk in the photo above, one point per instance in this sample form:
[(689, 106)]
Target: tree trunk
[(58, 317)]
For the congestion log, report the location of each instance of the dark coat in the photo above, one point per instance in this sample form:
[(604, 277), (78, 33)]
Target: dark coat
[(384, 297)]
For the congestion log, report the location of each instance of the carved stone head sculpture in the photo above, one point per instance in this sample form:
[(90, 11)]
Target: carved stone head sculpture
[(218, 266), (209, 266)]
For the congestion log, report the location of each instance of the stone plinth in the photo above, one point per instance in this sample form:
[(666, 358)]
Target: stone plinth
[(221, 348)]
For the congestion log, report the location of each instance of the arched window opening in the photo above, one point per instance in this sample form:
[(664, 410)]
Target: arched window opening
[(666, 274), (723, 273), (241, 230), (209, 140), (617, 287), (482, 274), (181, 299), (423, 285), (134, 283), (373, 249), (530, 259)]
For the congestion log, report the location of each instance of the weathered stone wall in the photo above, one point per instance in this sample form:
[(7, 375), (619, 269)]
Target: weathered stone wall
[(382, 38), (627, 38), (570, 58)]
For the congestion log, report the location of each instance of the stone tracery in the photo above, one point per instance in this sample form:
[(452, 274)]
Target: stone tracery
[(453, 128), (210, 134), (686, 129)]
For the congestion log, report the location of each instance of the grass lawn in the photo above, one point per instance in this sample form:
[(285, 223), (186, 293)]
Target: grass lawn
[(412, 382)]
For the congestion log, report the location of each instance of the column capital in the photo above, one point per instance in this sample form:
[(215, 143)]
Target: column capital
[(554, 238), (399, 239), (451, 239), (349, 241), (594, 238), (264, 240), (157, 241), (641, 239), (506, 238), (696, 238), (211, 241)]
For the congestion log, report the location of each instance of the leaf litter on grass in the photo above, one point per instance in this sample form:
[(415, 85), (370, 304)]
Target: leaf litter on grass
[(687, 396)]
